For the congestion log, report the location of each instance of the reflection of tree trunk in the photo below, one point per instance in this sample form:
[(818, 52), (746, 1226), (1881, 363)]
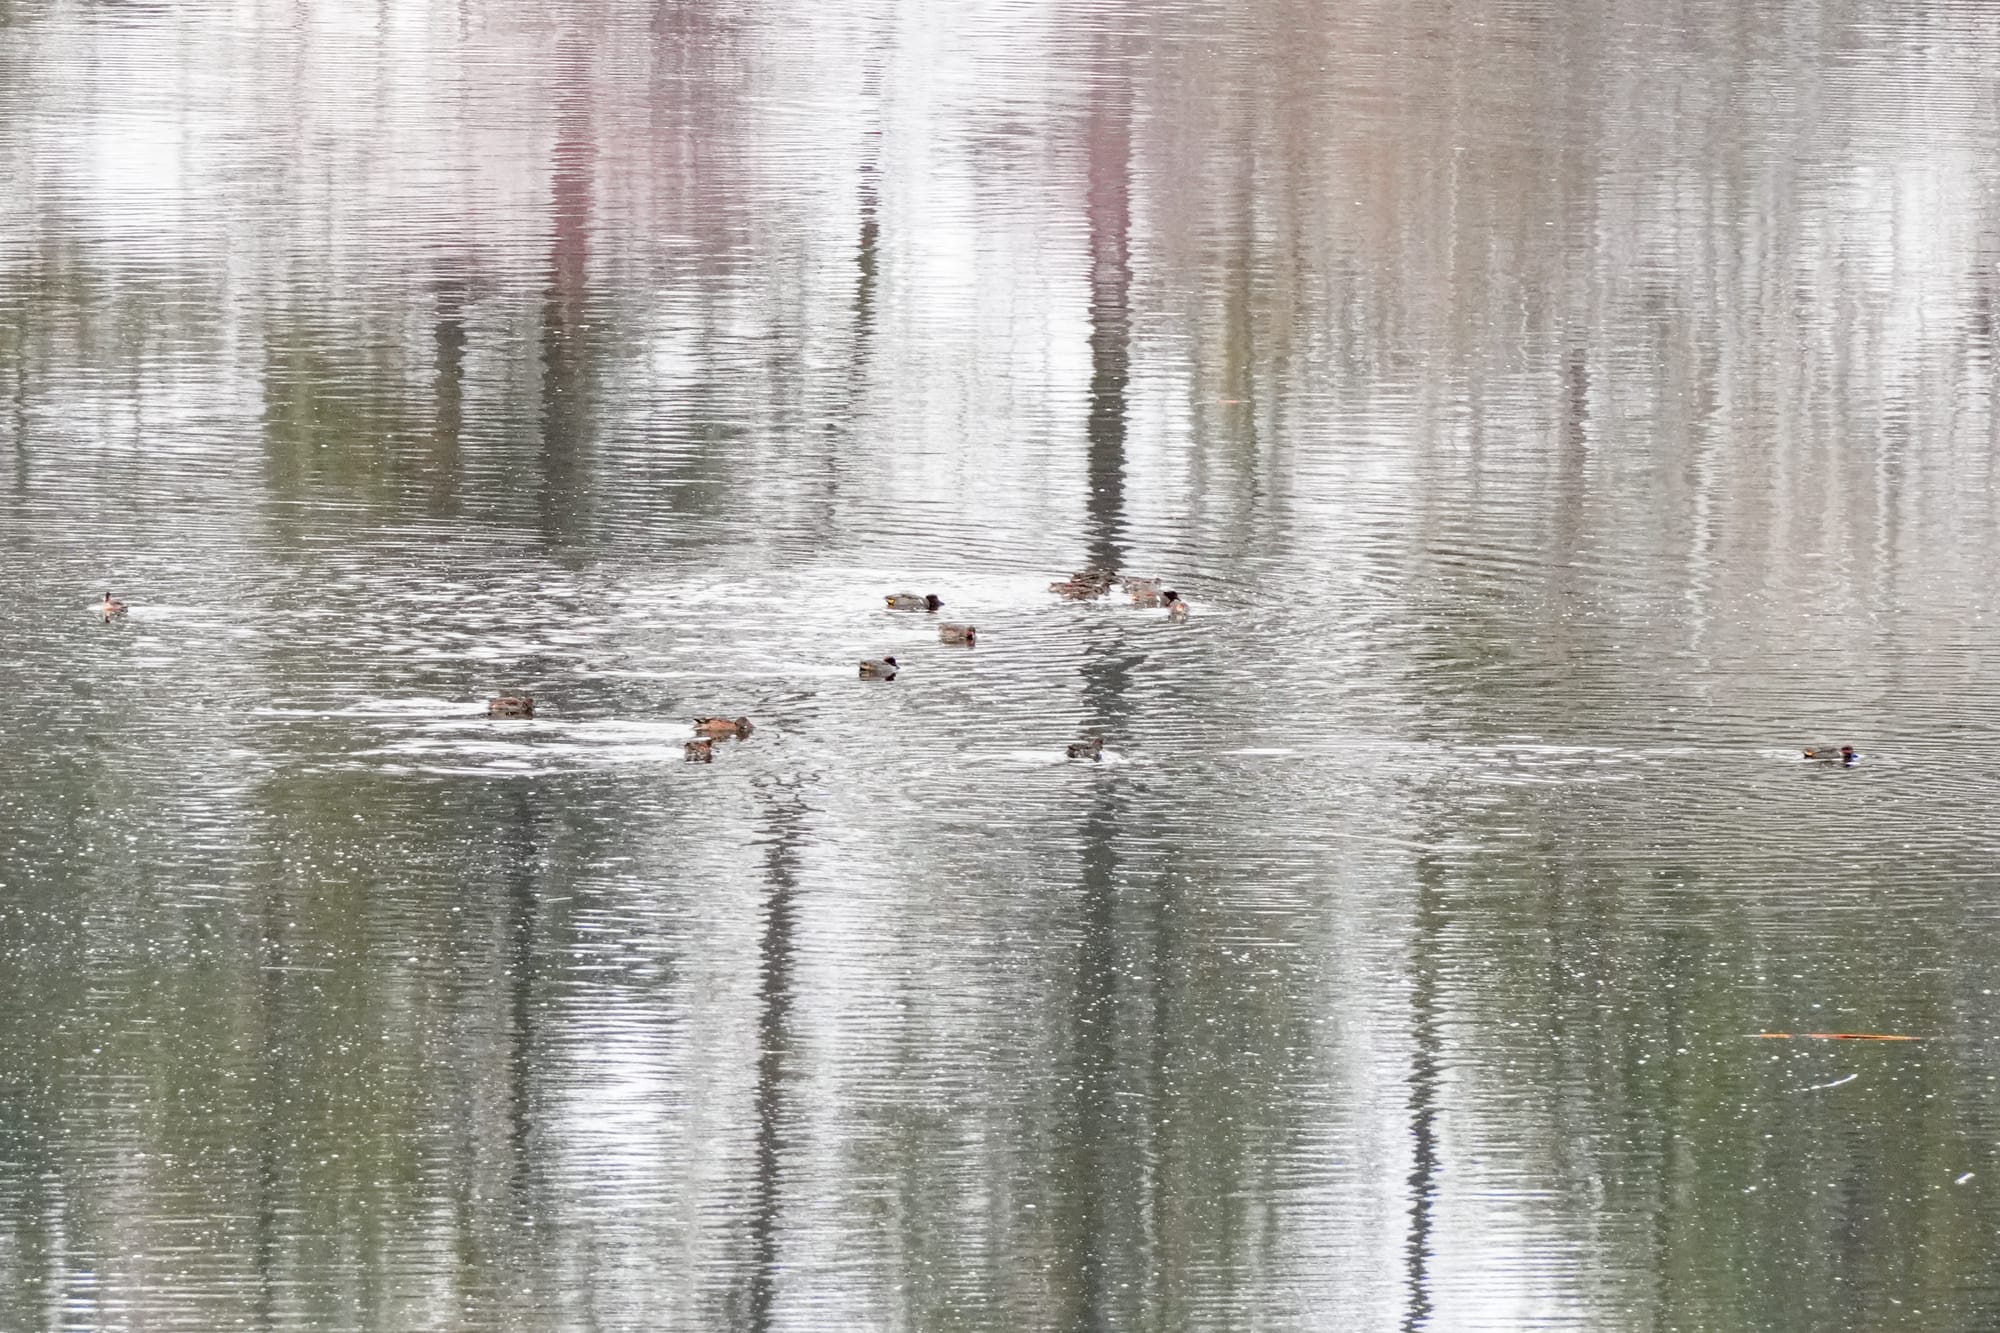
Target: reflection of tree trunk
[(871, 229), (773, 1042), (1087, 1169), (848, 421), (1424, 1060), (1572, 484), (1109, 151), (522, 852), (565, 355), (1090, 1170), (274, 1083), (270, 1132), (449, 390), (20, 406)]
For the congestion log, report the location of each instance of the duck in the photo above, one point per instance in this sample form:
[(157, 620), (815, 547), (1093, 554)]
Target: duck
[(1844, 755), (511, 705), (881, 667), (724, 726), (1176, 608), (113, 608), (1090, 749), (913, 601), (966, 634), (1084, 585), (700, 752)]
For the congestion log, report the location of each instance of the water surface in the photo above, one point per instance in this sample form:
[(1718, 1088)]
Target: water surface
[(1555, 419)]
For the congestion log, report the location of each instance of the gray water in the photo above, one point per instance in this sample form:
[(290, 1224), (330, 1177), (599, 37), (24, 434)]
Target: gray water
[(1555, 416)]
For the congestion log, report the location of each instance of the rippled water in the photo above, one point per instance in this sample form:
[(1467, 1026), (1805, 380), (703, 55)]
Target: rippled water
[(1554, 418)]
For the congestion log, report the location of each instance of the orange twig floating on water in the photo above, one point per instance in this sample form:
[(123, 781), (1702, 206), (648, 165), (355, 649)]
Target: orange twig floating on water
[(1839, 1036)]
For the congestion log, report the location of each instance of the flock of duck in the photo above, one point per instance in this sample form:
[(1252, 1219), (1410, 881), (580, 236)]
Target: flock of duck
[(1083, 586)]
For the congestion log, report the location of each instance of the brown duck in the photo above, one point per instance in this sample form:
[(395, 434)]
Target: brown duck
[(1084, 585), (511, 705), (1845, 755), (966, 634), (723, 726)]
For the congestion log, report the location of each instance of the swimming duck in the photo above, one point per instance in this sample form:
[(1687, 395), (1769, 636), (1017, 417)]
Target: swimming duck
[(511, 705), (723, 726), (1145, 592), (1090, 749), (700, 752), (1176, 608), (913, 601), (957, 634), (883, 667), (1084, 585), (112, 607), (1827, 754)]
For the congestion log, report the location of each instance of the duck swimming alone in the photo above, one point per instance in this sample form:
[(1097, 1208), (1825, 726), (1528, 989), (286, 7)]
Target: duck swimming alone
[(913, 601), (113, 608), (966, 634), (511, 705), (1091, 749), (724, 726), (1145, 592), (1176, 608), (700, 752), (1827, 754), (880, 668)]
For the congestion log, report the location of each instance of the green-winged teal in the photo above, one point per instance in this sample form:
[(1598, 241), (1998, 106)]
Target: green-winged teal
[(1827, 754)]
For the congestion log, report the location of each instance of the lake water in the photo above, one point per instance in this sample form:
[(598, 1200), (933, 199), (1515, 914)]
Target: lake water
[(1555, 416)]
